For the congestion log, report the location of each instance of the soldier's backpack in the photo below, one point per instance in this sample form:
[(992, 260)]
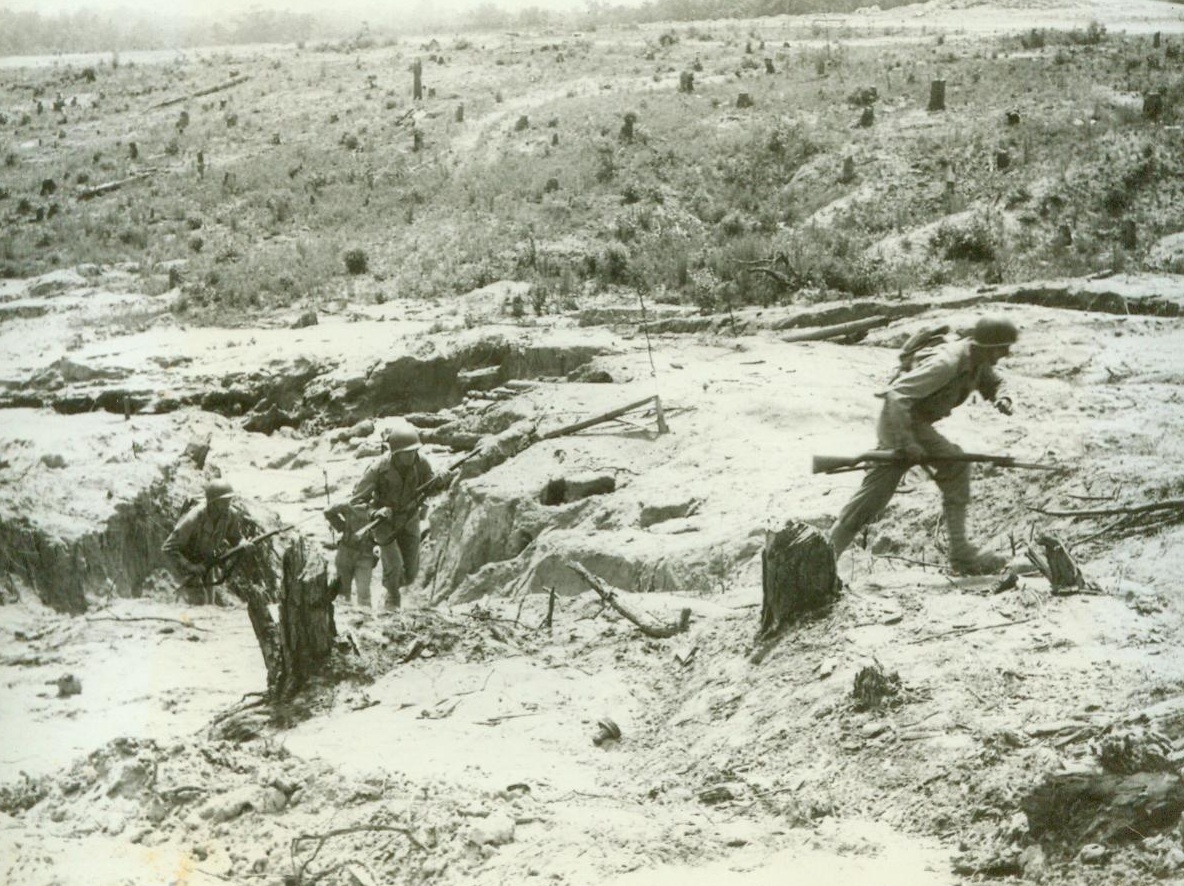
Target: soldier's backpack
[(924, 338)]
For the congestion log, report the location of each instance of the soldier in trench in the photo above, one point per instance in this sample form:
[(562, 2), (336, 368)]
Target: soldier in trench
[(355, 559), (201, 536), (392, 490), (938, 381)]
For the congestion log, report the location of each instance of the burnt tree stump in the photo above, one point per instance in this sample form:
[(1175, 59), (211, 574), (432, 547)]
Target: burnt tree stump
[(686, 81), (1058, 566), (769, 67), (937, 95), (417, 80), (299, 645), (798, 576), (744, 100), (307, 627), (867, 117), (1153, 105), (1072, 809), (1128, 234)]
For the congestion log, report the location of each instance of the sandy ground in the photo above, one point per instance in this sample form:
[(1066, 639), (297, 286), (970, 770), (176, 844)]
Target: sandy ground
[(481, 748)]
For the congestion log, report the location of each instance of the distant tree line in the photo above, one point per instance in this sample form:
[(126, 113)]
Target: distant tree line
[(696, 10), (29, 33)]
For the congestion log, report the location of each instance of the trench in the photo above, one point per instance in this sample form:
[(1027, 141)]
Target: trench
[(311, 394), (115, 559)]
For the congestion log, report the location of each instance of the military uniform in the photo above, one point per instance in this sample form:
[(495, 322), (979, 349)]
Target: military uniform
[(940, 380), (199, 536), (386, 484), (355, 559)]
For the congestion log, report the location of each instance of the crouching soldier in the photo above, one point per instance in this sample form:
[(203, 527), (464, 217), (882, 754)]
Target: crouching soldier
[(355, 557), (392, 490), (205, 532)]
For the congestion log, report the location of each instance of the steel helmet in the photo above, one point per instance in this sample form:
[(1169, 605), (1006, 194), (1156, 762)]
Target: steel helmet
[(219, 490), (402, 437), (994, 332)]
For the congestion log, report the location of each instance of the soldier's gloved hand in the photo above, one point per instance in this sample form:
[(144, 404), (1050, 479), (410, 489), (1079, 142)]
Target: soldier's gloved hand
[(914, 451), (381, 514), (1003, 404)]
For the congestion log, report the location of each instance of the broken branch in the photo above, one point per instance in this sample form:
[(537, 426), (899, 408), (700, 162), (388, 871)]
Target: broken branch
[(606, 417), (645, 622), (148, 618), (960, 631), (1170, 504)]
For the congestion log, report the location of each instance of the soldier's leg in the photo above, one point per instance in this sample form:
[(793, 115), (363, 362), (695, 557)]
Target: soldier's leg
[(409, 547), (343, 562), (363, 574), (953, 478), (392, 572), (878, 486)]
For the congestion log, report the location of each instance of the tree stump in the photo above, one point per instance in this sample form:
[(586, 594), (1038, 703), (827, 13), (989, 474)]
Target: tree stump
[(937, 95), (798, 576), (1153, 105), (1076, 808), (744, 100), (1155, 40), (1062, 572), (848, 174), (1064, 237), (300, 644), (460, 113), (417, 141), (769, 69), (417, 80), (867, 117), (1002, 160), (686, 82), (307, 626), (627, 127), (1128, 234)]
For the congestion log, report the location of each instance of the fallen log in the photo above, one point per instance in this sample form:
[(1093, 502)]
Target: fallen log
[(838, 330), (237, 81), (108, 187), (644, 621)]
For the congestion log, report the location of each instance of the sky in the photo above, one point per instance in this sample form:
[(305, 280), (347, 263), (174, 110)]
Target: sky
[(196, 7)]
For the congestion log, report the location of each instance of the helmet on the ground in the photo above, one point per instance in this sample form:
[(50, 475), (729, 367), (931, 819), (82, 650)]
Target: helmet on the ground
[(994, 332), (402, 437), (219, 490)]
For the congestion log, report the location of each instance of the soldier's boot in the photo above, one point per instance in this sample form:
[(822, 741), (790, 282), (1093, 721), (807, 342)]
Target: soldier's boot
[(841, 536), (965, 558), (364, 596), (393, 600)]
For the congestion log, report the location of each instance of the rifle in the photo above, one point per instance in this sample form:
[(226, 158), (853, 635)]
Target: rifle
[(836, 464), (223, 565), (421, 494)]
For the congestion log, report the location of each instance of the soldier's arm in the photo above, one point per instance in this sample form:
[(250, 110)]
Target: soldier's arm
[(363, 494), (174, 546)]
